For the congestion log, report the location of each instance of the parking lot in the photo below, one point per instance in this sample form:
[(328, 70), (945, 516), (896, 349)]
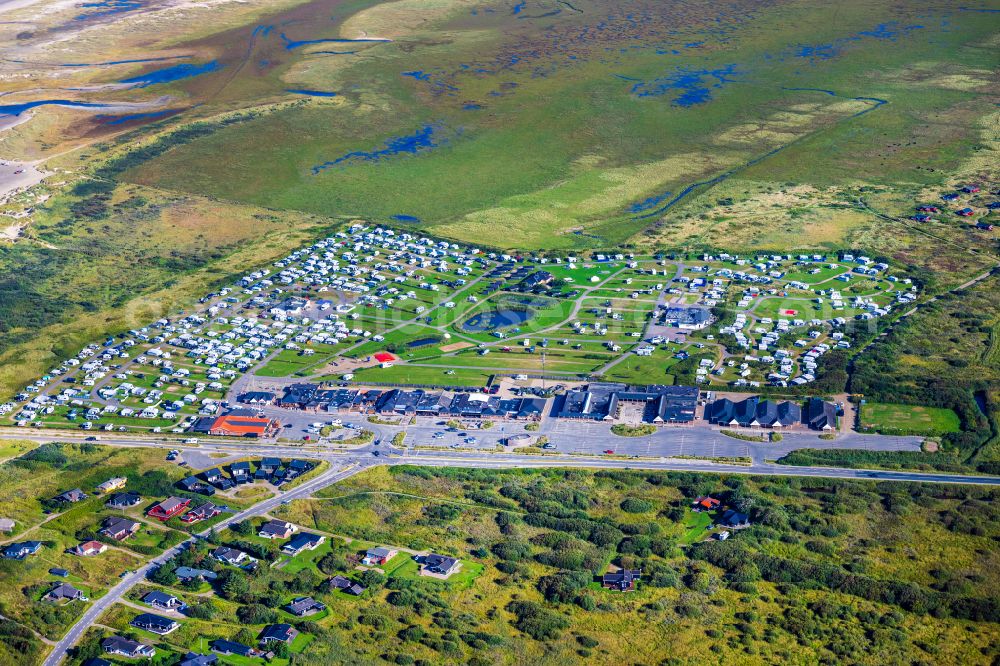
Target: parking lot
[(582, 437)]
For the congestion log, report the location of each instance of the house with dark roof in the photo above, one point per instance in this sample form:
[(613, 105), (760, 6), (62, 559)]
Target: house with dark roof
[(123, 500), (473, 405), (603, 401), (596, 401), (304, 606), (733, 518), (821, 415), (72, 496), (240, 471), (278, 633), (376, 557), (298, 396), (398, 401), (195, 659), (231, 556), (213, 475), (203, 512), (771, 414), (530, 408), (156, 624), (688, 319), (225, 648), (256, 398), (300, 466), (439, 565), (753, 412), (65, 592), (276, 529), (623, 580), (345, 584), (164, 601), (269, 465), (21, 550), (190, 573), (126, 647), (432, 403), (192, 484), (119, 529), (302, 541)]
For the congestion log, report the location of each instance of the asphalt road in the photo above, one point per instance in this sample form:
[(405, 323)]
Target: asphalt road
[(98, 607), (358, 460), (365, 457)]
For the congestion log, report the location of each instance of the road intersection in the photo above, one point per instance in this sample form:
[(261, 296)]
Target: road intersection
[(348, 462)]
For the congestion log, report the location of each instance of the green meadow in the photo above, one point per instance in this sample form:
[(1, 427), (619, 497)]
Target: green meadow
[(560, 148)]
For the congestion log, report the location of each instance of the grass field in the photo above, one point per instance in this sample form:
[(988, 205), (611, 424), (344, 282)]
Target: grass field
[(909, 418), (600, 174), (501, 514)]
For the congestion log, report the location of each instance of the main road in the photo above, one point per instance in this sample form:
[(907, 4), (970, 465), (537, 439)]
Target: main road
[(370, 455), (357, 460)]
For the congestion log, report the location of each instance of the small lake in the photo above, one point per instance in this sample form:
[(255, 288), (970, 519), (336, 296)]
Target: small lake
[(423, 342), (495, 319), (21, 107)]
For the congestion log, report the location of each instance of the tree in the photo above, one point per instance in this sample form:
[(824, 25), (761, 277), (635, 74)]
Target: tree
[(741, 500), (512, 551), (537, 621), (564, 586), (256, 614), (332, 562), (243, 528), (636, 505), (204, 610), (163, 575), (372, 579), (235, 585), (244, 636)]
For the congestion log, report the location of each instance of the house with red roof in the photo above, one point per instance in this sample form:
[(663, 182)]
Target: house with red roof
[(233, 425), (706, 504), (168, 508)]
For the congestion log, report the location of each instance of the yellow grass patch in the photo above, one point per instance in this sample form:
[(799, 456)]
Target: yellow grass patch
[(455, 346), (392, 20)]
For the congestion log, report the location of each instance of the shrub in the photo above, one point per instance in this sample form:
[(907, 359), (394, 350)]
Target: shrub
[(636, 505), (537, 621), (563, 587), (624, 430)]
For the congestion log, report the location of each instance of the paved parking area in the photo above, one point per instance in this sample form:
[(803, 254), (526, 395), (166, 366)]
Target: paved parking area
[(698, 440)]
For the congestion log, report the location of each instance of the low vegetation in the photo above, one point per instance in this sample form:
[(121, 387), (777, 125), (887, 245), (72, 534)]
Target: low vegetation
[(625, 430)]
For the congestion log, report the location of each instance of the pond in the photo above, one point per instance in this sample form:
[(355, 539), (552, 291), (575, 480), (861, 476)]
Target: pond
[(491, 320), (423, 342)]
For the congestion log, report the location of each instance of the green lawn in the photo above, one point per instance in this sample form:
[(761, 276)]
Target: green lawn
[(410, 570), (13, 448), (695, 526), (889, 418), (412, 374)]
